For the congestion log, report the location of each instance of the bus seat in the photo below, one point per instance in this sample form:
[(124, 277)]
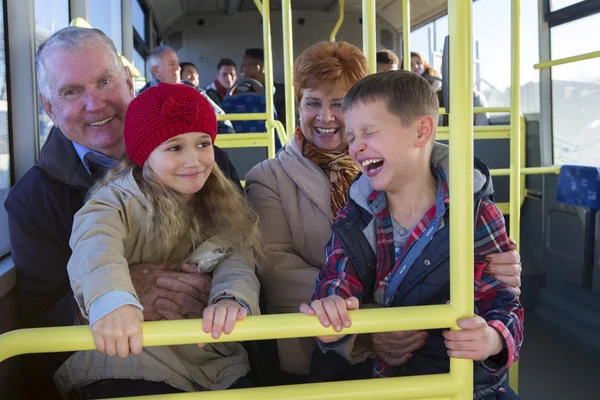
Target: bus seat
[(247, 96), (579, 186)]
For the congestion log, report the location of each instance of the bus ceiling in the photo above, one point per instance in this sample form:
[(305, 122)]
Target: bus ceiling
[(168, 13)]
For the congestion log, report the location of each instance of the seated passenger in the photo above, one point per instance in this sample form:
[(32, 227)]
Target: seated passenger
[(298, 194), (86, 140), (226, 76), (418, 65), (189, 74), (165, 202), (164, 65), (253, 67), (390, 245), (387, 61)]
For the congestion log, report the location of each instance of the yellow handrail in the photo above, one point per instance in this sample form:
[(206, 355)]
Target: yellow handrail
[(461, 165), (552, 169), (259, 7), (567, 60), (515, 146), (339, 22), (406, 34), (278, 126), (368, 31), (482, 110), (242, 117), (288, 68)]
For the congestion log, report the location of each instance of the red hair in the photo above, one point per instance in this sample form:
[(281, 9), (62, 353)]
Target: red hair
[(339, 65)]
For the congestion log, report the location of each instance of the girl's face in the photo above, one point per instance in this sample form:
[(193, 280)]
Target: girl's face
[(184, 163), (417, 66)]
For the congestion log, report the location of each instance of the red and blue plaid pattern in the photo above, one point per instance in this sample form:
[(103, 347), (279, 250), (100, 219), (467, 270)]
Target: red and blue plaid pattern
[(493, 301)]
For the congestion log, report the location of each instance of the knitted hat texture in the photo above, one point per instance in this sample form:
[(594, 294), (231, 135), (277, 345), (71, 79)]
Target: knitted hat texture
[(163, 112)]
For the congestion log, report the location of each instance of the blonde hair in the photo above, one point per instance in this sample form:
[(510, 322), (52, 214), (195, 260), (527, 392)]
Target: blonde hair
[(217, 212)]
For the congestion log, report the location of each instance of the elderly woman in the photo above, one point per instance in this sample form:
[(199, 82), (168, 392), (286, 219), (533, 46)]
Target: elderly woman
[(298, 194)]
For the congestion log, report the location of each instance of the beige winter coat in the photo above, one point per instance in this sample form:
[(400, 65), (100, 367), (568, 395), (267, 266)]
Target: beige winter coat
[(107, 237), (291, 195)]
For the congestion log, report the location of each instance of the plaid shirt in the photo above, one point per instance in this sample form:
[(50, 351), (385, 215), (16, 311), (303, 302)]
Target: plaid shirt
[(493, 301)]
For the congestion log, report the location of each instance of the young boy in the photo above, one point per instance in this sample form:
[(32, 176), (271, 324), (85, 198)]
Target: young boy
[(390, 244)]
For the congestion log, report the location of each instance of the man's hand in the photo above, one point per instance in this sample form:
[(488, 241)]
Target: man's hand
[(506, 267), (396, 348), (476, 341), (167, 294)]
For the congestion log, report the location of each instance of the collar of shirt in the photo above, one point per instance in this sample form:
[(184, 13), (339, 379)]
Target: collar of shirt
[(86, 154)]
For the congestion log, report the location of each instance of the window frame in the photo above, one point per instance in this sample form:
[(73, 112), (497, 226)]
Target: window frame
[(570, 13), (11, 150)]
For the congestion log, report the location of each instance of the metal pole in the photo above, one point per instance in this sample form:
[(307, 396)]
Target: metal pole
[(127, 32), (288, 68), (369, 38), (266, 14), (515, 145), (339, 22), (406, 34), (461, 177)]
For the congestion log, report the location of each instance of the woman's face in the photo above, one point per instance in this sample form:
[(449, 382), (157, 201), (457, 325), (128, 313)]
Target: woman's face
[(321, 118), (416, 65)]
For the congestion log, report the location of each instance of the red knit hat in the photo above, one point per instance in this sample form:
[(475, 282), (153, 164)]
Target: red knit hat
[(163, 112)]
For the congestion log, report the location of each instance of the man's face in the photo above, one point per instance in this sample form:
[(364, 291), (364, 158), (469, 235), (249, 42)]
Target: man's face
[(190, 74), (89, 97), (250, 67), (168, 69), (227, 76)]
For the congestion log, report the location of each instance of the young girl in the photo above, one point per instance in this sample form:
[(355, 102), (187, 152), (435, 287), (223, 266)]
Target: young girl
[(166, 202)]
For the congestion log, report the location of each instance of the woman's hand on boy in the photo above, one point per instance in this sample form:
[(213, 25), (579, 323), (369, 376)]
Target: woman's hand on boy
[(331, 311), (476, 341), (119, 332), (396, 348), (221, 317), (506, 267)]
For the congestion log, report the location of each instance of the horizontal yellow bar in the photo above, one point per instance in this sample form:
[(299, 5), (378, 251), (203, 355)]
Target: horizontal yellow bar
[(482, 110), (240, 140), (242, 117), (553, 169), (479, 132), (413, 387), (504, 208), (283, 326), (567, 60)]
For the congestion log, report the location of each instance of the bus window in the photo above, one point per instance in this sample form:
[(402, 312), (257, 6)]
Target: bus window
[(5, 178)]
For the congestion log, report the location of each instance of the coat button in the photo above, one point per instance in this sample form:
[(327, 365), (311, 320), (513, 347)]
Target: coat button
[(346, 225), (427, 262)]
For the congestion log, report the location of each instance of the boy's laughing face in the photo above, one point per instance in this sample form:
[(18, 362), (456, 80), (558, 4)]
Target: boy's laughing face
[(387, 151)]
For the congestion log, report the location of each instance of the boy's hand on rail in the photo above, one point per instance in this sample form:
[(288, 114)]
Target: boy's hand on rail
[(221, 317), (476, 341), (331, 311), (396, 348), (119, 332), (506, 267)]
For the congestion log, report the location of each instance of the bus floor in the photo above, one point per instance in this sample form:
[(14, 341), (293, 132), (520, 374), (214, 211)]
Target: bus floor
[(552, 368)]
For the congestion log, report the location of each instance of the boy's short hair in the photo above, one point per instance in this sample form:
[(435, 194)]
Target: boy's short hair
[(225, 62), (407, 95), (386, 56), (255, 52)]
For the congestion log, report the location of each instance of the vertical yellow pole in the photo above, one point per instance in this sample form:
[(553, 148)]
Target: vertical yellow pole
[(288, 68), (515, 145), (406, 34), (369, 36), (461, 177), (266, 15)]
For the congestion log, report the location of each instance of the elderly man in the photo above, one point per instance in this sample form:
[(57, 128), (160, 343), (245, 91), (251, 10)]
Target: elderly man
[(164, 65), (85, 89)]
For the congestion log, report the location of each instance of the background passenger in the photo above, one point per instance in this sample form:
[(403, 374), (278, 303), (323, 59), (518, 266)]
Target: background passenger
[(253, 67), (418, 65), (226, 77), (298, 194), (189, 73), (164, 65), (387, 61), (165, 201), (85, 90)]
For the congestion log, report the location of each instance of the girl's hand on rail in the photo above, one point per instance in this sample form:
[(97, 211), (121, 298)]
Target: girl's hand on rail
[(221, 317), (506, 267), (476, 341), (119, 332), (331, 311)]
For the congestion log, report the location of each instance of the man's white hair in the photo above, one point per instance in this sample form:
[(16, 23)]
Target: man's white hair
[(72, 39), (156, 56)]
